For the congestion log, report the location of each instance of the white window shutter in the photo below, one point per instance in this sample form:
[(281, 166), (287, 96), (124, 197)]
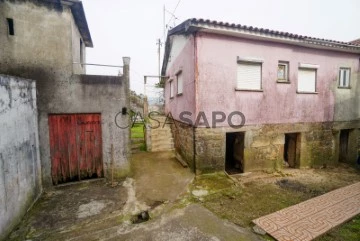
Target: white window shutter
[(249, 76), (307, 80), (179, 83), (171, 89), (347, 78)]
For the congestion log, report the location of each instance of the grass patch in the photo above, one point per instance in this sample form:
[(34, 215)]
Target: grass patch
[(349, 231), (137, 131), (240, 204)]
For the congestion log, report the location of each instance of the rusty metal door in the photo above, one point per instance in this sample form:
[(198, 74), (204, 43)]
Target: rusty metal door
[(75, 147)]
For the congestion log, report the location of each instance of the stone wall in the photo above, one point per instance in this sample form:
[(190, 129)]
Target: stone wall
[(20, 173), (318, 145), (184, 142)]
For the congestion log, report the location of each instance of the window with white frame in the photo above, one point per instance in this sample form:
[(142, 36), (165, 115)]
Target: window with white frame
[(171, 85), (283, 71), (344, 78), (249, 75), (307, 78), (179, 83)]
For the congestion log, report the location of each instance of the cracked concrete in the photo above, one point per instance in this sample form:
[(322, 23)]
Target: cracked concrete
[(97, 211)]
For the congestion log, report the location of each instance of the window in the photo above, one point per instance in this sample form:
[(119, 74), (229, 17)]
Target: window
[(344, 78), (171, 85), (249, 76), (81, 53), (307, 80), (179, 83), (10, 23), (283, 71)]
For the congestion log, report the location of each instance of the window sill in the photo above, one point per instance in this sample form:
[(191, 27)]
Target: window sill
[(180, 94), (171, 98), (304, 92), (283, 81), (347, 88), (250, 90)]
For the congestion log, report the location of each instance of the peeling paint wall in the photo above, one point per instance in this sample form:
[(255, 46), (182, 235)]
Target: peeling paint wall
[(217, 58), (44, 47), (20, 173), (181, 59), (106, 95), (42, 39)]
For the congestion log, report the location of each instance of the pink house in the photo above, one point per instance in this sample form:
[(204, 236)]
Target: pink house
[(246, 98)]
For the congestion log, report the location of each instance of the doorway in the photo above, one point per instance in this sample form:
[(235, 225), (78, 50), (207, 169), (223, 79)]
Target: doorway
[(75, 147), (291, 149), (344, 145), (234, 156)]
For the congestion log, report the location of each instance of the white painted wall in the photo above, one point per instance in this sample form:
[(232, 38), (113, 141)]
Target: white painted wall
[(20, 173)]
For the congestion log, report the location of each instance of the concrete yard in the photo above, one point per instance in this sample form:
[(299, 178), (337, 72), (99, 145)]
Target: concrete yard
[(181, 206)]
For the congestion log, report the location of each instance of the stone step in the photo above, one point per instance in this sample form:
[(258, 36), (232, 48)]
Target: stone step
[(162, 137), (168, 146), (162, 144), (137, 145), (160, 131), (162, 149), (137, 140), (162, 141)]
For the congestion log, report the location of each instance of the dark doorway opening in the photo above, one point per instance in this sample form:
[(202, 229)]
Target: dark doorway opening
[(234, 156), (291, 149), (344, 145)]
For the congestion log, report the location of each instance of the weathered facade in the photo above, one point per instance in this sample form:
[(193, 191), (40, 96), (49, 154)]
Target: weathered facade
[(20, 167), (48, 44), (296, 102)]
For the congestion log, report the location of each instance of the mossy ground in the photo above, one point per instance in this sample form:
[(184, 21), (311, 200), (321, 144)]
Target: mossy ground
[(247, 198)]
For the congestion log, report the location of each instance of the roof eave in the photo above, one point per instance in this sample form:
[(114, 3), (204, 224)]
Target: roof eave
[(310, 43), (78, 12)]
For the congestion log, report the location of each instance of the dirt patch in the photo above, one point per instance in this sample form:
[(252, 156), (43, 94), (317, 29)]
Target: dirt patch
[(297, 186)]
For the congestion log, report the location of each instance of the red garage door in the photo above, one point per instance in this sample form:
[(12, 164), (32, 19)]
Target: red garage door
[(75, 147)]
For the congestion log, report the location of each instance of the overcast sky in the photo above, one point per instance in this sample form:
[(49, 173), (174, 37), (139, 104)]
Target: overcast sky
[(131, 27)]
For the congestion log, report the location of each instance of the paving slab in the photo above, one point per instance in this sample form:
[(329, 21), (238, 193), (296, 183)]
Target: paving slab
[(314, 217)]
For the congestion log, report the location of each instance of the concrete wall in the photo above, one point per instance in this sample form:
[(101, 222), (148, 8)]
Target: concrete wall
[(44, 47), (90, 94), (217, 66), (42, 40), (76, 52), (20, 173), (347, 101)]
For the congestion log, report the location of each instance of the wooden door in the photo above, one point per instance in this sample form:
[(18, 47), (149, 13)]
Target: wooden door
[(75, 147)]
